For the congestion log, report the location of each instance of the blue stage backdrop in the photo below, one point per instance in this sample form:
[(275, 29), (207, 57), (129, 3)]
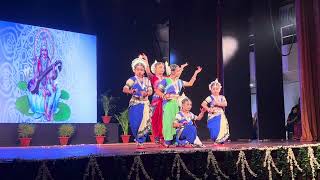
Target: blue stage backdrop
[(47, 75)]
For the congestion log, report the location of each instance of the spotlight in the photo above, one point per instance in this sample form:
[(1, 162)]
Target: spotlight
[(229, 48)]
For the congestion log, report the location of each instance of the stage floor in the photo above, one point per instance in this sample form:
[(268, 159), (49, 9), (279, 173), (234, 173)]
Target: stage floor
[(85, 150)]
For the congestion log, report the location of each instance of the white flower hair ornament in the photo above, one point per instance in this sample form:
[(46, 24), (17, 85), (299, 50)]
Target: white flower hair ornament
[(137, 61), (153, 66), (167, 67), (214, 83), (181, 98)]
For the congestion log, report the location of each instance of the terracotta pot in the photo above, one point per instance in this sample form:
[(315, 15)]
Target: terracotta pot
[(106, 119), (25, 141), (100, 139), (125, 138), (64, 140), (152, 138)]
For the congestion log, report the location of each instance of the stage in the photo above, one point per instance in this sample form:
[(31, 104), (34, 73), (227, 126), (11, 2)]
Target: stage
[(123, 161), (120, 149)]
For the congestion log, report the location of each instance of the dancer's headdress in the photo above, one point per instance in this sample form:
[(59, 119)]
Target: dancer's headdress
[(153, 66), (214, 83), (181, 98), (167, 66), (138, 61)]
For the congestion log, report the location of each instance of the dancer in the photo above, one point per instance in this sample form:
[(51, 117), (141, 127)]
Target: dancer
[(169, 89), (186, 130), (139, 106), (217, 121), (156, 74)]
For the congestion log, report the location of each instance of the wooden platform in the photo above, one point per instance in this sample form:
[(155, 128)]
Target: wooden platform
[(120, 149)]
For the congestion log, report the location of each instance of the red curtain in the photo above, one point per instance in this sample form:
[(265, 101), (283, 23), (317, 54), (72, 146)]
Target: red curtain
[(308, 33)]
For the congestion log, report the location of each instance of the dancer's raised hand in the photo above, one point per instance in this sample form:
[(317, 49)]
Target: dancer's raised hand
[(184, 65), (199, 69)]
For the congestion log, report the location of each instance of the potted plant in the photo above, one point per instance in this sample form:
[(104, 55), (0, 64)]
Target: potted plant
[(123, 120), (25, 133), (108, 106), (65, 132), (100, 132)]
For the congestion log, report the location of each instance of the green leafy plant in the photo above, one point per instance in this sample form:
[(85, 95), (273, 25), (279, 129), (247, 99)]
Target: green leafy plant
[(66, 130), (26, 130), (100, 129), (123, 120), (257, 164), (304, 162), (108, 103), (281, 163)]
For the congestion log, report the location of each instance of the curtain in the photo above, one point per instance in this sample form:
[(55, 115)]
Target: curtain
[(308, 34)]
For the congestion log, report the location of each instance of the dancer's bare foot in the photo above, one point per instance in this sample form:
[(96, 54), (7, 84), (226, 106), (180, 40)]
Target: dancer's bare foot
[(199, 146), (164, 145), (188, 146), (140, 146)]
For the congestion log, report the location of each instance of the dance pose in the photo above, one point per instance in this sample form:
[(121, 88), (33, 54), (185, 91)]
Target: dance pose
[(217, 121), (139, 106), (156, 74), (169, 89), (186, 130)]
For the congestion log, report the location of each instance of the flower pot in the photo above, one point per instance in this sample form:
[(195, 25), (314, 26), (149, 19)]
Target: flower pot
[(106, 119), (125, 138), (25, 141), (100, 139), (63, 140), (152, 138)]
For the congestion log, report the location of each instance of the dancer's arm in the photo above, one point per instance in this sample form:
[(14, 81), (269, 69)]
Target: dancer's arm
[(161, 94), (145, 58), (223, 103), (201, 114), (177, 124), (183, 66), (204, 105), (127, 88), (193, 79), (160, 90), (149, 90)]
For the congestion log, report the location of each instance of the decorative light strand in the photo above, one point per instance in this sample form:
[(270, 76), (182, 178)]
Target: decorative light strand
[(268, 162), (313, 162), (244, 164), (93, 165), (136, 166), (177, 162), (43, 172), (291, 159), (212, 160)]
